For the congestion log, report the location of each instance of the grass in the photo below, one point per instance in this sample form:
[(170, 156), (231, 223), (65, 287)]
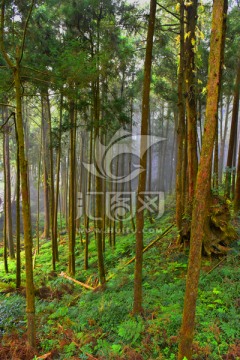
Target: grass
[(74, 323)]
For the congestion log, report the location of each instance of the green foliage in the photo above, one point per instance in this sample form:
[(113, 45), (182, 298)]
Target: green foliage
[(130, 330), (100, 323), (11, 313)]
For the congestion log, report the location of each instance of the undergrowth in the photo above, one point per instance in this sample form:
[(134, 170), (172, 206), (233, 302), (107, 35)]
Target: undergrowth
[(74, 323)]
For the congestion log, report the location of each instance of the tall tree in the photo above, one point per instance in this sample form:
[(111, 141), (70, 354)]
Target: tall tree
[(15, 68), (233, 133), (8, 196), (181, 126), (190, 84), (72, 188), (203, 184), (137, 305)]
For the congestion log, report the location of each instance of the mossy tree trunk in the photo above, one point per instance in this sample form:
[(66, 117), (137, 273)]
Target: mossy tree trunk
[(137, 305), (203, 184)]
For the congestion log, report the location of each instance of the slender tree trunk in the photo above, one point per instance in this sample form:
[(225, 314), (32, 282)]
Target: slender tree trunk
[(38, 192), (223, 142), (26, 211), (55, 220), (237, 191), (30, 296), (137, 305), (180, 128), (99, 188), (216, 161), (233, 134), (72, 190), (5, 217), (203, 185), (8, 213), (18, 242), (46, 167), (52, 198), (191, 99), (87, 199)]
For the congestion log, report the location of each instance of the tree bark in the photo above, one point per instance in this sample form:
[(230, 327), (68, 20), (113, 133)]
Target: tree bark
[(137, 305), (181, 127), (237, 191), (46, 167), (233, 134), (18, 241), (8, 213), (26, 211), (87, 208), (203, 184), (30, 296), (223, 141), (191, 99), (72, 190)]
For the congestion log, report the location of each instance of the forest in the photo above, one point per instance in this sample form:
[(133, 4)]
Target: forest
[(119, 179)]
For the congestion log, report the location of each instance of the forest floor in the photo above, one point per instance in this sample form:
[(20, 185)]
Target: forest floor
[(76, 323)]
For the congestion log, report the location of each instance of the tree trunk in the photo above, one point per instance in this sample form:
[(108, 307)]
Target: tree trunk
[(233, 134), (237, 191), (137, 305), (223, 142), (72, 192), (191, 99), (216, 161), (5, 218), (8, 213), (18, 241), (46, 167), (59, 148), (87, 208), (15, 68), (38, 192), (201, 202), (99, 188), (30, 296), (180, 128)]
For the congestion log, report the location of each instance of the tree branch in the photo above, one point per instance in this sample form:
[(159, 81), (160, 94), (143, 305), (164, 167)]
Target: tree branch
[(25, 32), (7, 105), (168, 11), (6, 121), (2, 47)]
